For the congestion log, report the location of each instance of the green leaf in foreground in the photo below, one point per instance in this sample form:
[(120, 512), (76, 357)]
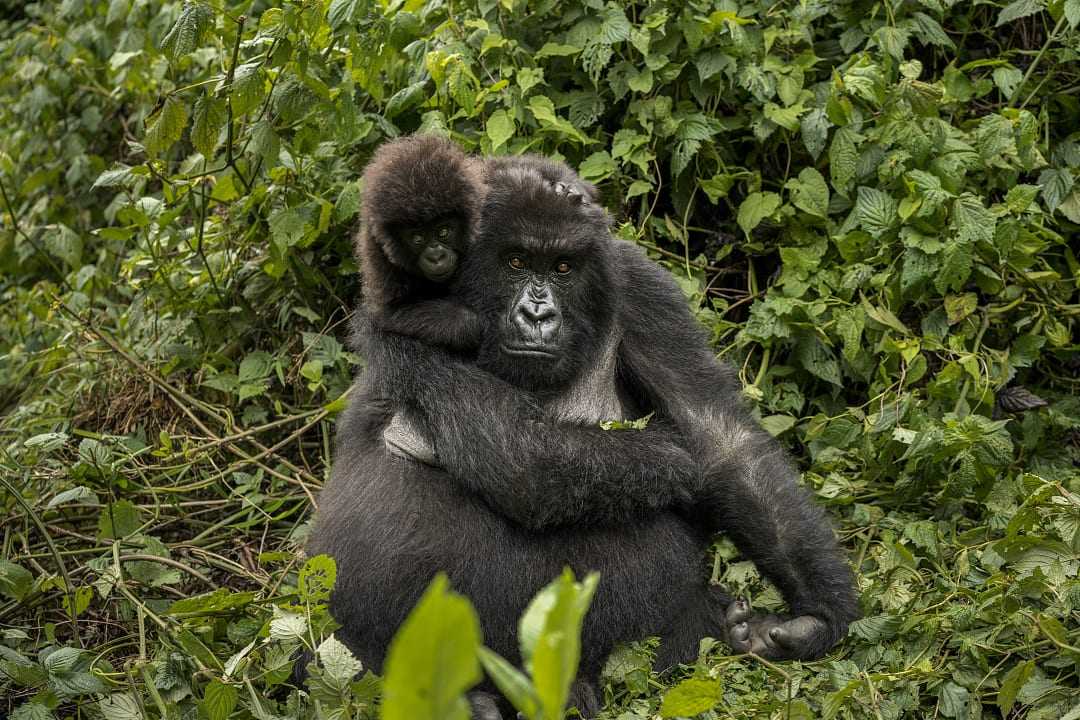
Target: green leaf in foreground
[(690, 697), (554, 652), (433, 659)]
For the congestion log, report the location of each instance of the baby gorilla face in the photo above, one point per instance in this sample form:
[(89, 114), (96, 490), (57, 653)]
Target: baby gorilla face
[(435, 248)]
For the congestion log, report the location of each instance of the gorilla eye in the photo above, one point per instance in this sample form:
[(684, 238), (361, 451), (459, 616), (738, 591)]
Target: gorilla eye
[(517, 263), (444, 232), (563, 267)]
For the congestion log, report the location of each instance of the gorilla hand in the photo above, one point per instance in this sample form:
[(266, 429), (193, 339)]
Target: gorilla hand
[(771, 636), (402, 438)]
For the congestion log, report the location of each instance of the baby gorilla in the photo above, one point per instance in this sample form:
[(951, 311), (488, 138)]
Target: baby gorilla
[(419, 209)]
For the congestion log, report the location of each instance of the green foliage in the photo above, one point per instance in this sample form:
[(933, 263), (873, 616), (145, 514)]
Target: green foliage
[(872, 207)]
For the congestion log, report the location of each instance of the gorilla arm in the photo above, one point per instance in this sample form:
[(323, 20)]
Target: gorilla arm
[(751, 491), (442, 321), (490, 437)]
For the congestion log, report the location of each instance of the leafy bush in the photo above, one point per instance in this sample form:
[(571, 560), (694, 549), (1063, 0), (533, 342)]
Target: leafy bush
[(872, 205)]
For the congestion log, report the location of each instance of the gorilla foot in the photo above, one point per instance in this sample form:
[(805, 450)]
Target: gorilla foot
[(771, 636), (484, 706)]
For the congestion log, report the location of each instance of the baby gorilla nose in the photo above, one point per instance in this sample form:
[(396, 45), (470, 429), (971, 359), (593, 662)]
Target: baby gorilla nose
[(438, 262)]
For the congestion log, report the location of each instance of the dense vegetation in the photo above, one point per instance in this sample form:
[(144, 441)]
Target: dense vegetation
[(873, 205)]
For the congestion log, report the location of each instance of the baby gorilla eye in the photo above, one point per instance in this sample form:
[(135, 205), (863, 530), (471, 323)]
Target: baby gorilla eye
[(562, 268), (444, 232), (517, 263)]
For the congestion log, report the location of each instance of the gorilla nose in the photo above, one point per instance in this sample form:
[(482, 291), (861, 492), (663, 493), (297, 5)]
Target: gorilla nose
[(436, 254), (536, 311)]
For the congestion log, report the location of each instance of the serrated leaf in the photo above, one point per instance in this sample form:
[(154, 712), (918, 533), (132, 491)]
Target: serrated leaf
[(876, 210), (815, 131), (755, 208), (344, 12), (1018, 9), (317, 578), (195, 19), (31, 711), (955, 267), (122, 706), (209, 118), (971, 221), (288, 626), (165, 126), (843, 159), (339, 664), (958, 307), (1056, 185)]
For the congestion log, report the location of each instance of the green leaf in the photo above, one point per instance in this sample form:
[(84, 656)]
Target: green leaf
[(955, 267), (1010, 686), (338, 663), (511, 682), (876, 211), (118, 520), (1018, 9), (811, 193), (500, 128), (433, 659), (1056, 185), (598, 166), (755, 208), (195, 19), (248, 87), (958, 307), (122, 706), (843, 159), (972, 221), (165, 126), (691, 697), (209, 118), (15, 580), (543, 109), (556, 651), (344, 12), (32, 711), (815, 131), (317, 579)]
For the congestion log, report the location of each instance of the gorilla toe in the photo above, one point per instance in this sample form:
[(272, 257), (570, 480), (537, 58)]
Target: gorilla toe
[(771, 636)]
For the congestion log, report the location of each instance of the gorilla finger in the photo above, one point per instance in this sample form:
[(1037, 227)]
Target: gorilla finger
[(797, 632)]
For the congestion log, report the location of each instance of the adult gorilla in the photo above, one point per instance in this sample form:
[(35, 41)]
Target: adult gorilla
[(522, 494)]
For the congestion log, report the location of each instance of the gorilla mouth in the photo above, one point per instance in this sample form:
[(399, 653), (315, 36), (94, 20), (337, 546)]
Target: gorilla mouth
[(536, 351)]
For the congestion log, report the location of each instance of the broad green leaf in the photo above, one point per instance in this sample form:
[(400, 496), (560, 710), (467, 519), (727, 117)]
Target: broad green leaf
[(598, 166), (555, 655), (433, 659), (1010, 686), (1056, 184), (344, 12), (500, 128), (288, 626), (338, 663), (811, 193), (876, 211), (690, 697), (195, 20), (165, 126), (1018, 9), (755, 208), (15, 580), (209, 118), (122, 706)]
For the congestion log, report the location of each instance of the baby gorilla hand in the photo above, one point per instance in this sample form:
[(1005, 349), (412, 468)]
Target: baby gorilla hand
[(771, 636)]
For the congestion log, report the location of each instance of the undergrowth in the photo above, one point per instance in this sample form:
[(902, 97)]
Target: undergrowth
[(872, 205)]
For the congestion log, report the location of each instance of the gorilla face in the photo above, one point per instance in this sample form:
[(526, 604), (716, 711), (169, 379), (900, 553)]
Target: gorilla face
[(542, 278), (433, 250)]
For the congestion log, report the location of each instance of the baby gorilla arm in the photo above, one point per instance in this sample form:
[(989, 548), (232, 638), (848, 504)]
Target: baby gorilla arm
[(444, 322), (491, 438), (751, 491)]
